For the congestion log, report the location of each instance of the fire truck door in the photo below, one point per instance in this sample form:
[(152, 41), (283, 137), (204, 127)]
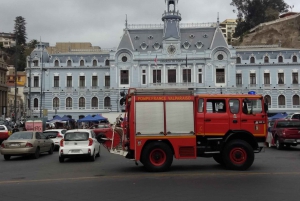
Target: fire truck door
[(199, 130), (234, 114), (252, 116), (216, 117)]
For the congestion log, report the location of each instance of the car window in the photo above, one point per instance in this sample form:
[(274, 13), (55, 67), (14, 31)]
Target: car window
[(93, 134), (52, 133), (288, 124), (38, 136), (76, 136), (63, 131), (2, 128), (21, 135)]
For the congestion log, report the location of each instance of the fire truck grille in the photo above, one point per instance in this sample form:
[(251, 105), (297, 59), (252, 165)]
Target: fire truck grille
[(186, 151)]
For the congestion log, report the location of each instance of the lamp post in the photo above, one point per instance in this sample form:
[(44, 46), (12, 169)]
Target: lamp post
[(16, 70)]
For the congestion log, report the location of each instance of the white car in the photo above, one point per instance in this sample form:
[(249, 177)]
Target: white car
[(59, 133), (79, 143)]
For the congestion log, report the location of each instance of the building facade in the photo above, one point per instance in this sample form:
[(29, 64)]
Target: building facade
[(7, 39), (3, 87), (172, 55)]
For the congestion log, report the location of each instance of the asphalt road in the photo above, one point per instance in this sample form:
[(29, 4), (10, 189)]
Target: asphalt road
[(275, 175)]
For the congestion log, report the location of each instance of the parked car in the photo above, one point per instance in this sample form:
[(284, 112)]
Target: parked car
[(79, 143), (26, 143), (58, 133), (286, 132), (5, 132), (293, 116)]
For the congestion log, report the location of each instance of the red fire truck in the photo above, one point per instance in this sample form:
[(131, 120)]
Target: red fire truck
[(161, 124)]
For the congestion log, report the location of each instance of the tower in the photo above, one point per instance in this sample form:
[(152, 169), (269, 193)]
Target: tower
[(171, 19)]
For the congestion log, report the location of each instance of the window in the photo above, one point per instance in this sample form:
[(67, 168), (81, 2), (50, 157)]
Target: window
[(253, 78), (94, 62), (82, 81), (56, 63), (281, 100), (124, 77), (94, 102), (186, 75), (124, 59), (56, 81), (107, 102), (215, 106), (35, 63), (266, 60), (69, 102), (266, 78), (69, 81), (268, 99), (107, 81), (280, 78), (200, 80), (295, 78), (253, 106), (200, 105), (280, 59), (156, 76), (172, 76), (107, 62), (295, 59), (69, 63), (238, 60), (56, 102), (239, 80), (94, 81), (35, 81), (220, 76), (234, 106), (296, 100), (28, 82), (35, 103), (81, 63), (81, 102), (144, 77), (252, 60)]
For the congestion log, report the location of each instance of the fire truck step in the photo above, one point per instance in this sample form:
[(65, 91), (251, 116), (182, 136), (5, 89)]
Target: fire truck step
[(214, 139), (212, 152)]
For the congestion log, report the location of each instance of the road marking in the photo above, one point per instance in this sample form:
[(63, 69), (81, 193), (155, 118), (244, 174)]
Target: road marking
[(151, 175)]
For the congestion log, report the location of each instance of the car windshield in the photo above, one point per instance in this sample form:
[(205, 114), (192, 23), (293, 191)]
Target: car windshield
[(288, 124), (77, 136), (21, 136), (2, 128), (50, 133)]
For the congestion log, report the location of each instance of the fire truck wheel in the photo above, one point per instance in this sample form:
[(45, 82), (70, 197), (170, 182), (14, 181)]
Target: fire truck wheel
[(238, 155), (157, 157), (218, 158)]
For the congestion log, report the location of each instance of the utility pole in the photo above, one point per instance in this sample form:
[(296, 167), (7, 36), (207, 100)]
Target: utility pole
[(42, 72), (16, 70)]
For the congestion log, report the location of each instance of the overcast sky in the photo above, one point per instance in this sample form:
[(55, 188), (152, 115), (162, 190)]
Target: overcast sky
[(101, 22)]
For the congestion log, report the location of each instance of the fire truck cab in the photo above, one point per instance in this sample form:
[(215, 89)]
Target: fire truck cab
[(162, 124)]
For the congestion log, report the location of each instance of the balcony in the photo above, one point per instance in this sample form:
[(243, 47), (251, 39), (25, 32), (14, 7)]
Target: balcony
[(69, 108), (69, 89), (295, 86), (253, 85), (81, 88), (81, 108), (281, 106), (95, 108), (296, 106), (95, 88), (266, 85), (172, 85), (56, 88), (281, 85)]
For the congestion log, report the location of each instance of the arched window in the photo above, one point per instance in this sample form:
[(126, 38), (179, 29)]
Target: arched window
[(252, 60), (238, 60), (81, 102), (107, 102), (69, 63), (81, 116), (36, 102), (69, 116), (280, 59), (295, 59), (281, 100), (266, 60), (94, 102), (56, 102), (56, 63), (69, 102), (268, 99), (107, 62), (296, 100), (94, 62), (81, 63)]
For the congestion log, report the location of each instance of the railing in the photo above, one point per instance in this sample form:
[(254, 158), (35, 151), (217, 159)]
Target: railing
[(296, 106), (281, 106), (266, 85), (56, 88), (81, 108), (69, 108), (94, 108), (181, 25)]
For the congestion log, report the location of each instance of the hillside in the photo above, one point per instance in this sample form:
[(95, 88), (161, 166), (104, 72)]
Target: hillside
[(285, 31)]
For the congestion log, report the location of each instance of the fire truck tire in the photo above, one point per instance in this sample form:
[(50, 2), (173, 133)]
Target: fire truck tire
[(157, 157), (219, 159), (238, 155)]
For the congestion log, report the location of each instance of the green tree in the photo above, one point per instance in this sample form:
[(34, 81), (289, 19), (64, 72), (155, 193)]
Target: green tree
[(20, 35), (251, 13), (32, 44)]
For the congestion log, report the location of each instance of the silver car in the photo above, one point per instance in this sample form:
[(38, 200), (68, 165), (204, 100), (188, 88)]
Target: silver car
[(26, 143)]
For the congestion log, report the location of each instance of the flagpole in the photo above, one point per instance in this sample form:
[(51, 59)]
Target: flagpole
[(186, 71)]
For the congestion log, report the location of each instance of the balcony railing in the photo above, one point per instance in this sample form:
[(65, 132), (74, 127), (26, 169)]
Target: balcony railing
[(267, 85), (69, 108), (281, 106), (81, 108), (296, 106)]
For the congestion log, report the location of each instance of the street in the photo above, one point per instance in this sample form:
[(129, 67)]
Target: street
[(275, 175)]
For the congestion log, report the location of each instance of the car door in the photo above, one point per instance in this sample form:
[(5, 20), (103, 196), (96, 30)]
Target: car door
[(97, 145), (40, 141), (47, 142)]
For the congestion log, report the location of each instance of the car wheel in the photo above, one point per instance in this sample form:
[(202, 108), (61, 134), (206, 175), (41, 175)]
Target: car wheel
[(157, 157), (93, 157), (51, 150), (98, 154), (238, 155), (7, 157), (279, 145), (36, 155), (61, 159)]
